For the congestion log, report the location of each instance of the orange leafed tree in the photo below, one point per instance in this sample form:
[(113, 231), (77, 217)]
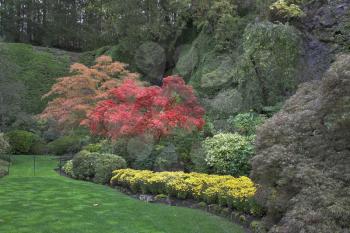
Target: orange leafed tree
[(76, 95)]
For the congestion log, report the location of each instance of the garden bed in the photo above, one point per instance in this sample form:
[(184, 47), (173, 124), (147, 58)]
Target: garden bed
[(250, 223)]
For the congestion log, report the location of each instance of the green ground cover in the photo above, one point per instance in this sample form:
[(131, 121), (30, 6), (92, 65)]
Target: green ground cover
[(49, 203)]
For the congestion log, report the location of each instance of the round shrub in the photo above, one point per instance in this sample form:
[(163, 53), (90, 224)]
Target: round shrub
[(96, 167), (65, 145), (246, 123), (105, 164), (229, 153), (83, 165), (21, 141)]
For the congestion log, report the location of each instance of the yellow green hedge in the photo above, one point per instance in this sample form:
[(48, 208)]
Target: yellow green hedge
[(236, 193)]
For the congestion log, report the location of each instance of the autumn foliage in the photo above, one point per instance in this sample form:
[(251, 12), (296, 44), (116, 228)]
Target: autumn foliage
[(76, 95), (132, 110)]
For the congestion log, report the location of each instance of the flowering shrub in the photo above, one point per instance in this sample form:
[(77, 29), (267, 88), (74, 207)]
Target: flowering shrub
[(228, 191), (132, 110), (229, 153)]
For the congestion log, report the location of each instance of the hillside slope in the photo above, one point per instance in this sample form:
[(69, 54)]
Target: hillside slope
[(26, 73)]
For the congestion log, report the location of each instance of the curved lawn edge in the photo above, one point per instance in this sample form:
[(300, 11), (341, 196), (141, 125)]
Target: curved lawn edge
[(52, 203)]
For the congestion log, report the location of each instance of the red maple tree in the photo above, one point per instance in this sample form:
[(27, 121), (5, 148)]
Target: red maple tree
[(133, 110), (76, 95)]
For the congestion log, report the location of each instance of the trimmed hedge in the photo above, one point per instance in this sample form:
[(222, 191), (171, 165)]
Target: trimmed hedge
[(236, 193)]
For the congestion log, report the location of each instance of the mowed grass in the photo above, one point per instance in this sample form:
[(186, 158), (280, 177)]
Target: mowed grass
[(49, 203)]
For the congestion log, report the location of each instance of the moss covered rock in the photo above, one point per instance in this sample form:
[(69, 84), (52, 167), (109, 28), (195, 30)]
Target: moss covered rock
[(268, 69), (302, 161)]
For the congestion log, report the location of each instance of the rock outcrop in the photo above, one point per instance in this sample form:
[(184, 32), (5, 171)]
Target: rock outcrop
[(303, 158)]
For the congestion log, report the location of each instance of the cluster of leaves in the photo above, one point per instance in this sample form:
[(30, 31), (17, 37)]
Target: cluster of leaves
[(229, 153), (76, 95), (220, 18), (132, 110), (246, 123), (285, 10)]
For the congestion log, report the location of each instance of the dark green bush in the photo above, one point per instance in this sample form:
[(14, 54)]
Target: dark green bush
[(95, 147), (65, 145), (96, 167), (270, 66), (22, 142), (246, 123)]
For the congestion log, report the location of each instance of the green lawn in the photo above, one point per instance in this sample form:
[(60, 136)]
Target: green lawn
[(49, 203)]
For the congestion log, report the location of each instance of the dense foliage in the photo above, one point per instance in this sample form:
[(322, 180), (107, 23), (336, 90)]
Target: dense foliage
[(4, 145), (240, 61), (228, 191), (229, 153), (22, 142), (76, 95), (69, 144), (132, 110), (302, 161), (95, 167), (246, 123)]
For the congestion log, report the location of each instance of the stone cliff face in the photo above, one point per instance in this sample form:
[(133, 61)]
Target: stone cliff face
[(326, 32), (303, 158)]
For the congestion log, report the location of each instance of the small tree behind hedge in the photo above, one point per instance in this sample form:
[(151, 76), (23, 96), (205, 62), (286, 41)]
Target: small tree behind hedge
[(22, 142)]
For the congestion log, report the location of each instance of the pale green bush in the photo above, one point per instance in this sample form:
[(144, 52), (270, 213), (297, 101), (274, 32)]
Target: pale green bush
[(229, 153)]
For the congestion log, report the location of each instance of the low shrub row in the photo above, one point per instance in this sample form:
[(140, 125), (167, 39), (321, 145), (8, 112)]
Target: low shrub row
[(92, 166), (236, 193)]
